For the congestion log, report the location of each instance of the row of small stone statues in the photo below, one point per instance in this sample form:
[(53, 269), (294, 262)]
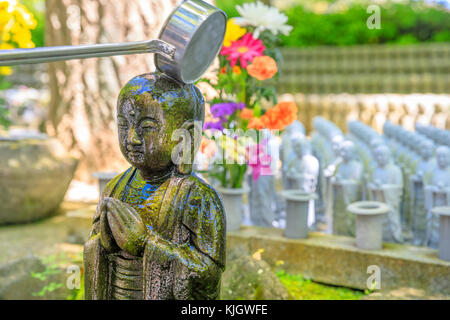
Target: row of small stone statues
[(409, 171)]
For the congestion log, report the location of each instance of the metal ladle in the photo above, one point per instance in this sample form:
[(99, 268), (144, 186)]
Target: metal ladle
[(188, 43)]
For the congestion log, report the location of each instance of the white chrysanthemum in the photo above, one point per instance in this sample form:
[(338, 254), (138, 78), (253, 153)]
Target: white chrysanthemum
[(262, 17)]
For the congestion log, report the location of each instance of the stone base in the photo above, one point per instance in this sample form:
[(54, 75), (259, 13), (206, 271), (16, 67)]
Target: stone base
[(323, 258), (335, 260)]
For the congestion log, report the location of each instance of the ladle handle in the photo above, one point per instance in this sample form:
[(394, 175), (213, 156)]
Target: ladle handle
[(51, 54)]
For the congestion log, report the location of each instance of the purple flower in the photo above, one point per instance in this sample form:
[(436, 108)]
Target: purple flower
[(220, 110), (213, 125)]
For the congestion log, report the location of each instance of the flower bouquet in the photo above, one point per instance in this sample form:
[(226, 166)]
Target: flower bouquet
[(248, 60)]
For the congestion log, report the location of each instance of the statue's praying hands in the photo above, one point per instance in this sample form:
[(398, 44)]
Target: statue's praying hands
[(121, 227)]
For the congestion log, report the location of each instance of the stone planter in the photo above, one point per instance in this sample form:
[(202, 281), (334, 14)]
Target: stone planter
[(369, 223), (233, 204), (103, 179), (297, 205), (35, 173), (444, 231)]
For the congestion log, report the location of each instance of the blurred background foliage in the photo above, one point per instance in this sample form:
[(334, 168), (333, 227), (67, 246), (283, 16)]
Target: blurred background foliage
[(22, 25), (37, 8), (343, 22)]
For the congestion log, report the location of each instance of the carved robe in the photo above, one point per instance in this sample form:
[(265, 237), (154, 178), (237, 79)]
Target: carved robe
[(185, 263)]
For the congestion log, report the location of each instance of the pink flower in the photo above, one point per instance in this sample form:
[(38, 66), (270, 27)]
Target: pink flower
[(259, 160), (246, 49)]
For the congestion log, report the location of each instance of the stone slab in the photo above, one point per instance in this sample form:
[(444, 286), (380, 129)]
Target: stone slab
[(335, 260)]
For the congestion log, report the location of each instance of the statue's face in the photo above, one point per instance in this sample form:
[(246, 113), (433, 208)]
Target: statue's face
[(144, 134), (382, 156), (336, 144), (442, 158), (427, 150), (298, 148), (375, 143), (346, 153)]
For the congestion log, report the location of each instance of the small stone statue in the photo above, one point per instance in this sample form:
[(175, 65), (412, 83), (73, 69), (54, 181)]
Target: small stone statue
[(159, 231), (419, 212), (346, 184), (437, 193), (286, 150), (285, 154), (303, 171), (262, 195), (387, 186), (328, 171)]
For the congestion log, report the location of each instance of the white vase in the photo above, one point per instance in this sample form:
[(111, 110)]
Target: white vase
[(297, 208), (444, 232), (233, 204), (369, 223)]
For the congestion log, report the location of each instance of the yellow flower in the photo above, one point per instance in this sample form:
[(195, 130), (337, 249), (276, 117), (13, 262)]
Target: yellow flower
[(257, 254), (234, 149), (5, 71), (16, 23), (234, 32)]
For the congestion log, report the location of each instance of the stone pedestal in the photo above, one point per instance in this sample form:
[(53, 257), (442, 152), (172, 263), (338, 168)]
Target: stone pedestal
[(297, 213), (103, 179), (369, 223), (444, 231), (233, 204)]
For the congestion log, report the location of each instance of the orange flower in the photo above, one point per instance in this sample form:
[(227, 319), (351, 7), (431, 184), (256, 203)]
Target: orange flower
[(280, 116), (223, 70), (263, 68), (276, 118), (237, 70), (255, 123), (247, 114)]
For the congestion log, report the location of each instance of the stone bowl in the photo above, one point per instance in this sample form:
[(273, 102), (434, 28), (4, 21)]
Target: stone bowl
[(35, 173)]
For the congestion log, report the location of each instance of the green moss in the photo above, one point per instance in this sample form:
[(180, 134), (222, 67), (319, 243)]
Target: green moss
[(303, 289)]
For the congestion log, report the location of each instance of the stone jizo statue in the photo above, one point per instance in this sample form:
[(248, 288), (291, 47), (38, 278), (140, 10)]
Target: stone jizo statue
[(437, 193), (426, 162), (159, 230), (303, 168), (303, 171), (286, 149), (387, 186), (346, 186), (419, 212)]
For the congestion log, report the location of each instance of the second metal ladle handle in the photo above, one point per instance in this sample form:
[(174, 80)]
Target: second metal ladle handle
[(52, 54)]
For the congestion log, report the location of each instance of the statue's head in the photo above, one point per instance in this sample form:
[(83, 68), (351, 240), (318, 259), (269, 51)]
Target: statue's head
[(336, 142), (295, 127), (443, 157), (299, 145), (375, 143), (154, 115), (347, 150), (426, 149), (382, 155)]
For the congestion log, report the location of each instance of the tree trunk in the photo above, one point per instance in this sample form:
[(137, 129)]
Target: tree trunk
[(84, 92)]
